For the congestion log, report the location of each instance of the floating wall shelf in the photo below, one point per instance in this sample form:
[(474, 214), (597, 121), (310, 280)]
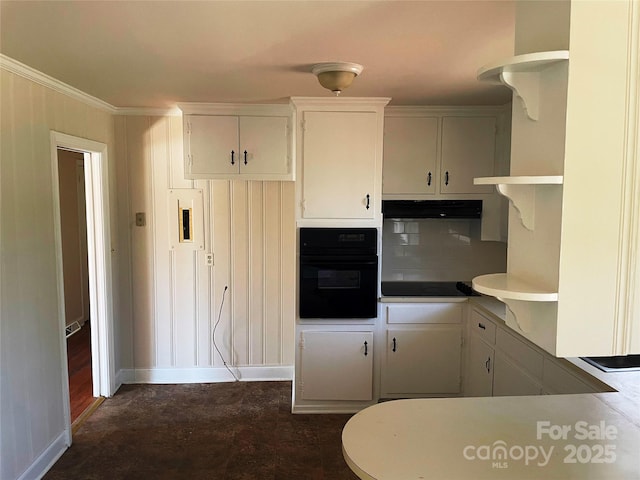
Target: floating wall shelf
[(506, 286), (522, 75), (521, 191)]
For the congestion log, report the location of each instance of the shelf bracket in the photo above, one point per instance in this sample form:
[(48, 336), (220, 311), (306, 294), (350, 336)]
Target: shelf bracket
[(525, 86), (523, 199)]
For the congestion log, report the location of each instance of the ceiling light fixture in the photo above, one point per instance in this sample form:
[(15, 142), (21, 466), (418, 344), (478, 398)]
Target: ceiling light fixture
[(336, 76)]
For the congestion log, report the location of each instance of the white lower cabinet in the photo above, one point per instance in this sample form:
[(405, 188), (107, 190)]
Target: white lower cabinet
[(423, 360), (510, 380), (336, 365), (480, 364), (423, 350), (499, 362), (558, 379)]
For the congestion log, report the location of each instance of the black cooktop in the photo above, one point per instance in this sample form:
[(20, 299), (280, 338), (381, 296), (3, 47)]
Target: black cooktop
[(427, 289)]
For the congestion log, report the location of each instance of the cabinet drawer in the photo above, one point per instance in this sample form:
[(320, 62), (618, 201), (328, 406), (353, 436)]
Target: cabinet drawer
[(558, 380), (483, 327), (524, 355), (425, 313)]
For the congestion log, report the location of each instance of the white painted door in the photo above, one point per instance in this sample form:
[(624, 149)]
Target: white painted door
[(410, 155), (468, 151), (423, 360), (479, 381), (508, 379), (265, 141), (339, 160), (336, 365), (212, 144)]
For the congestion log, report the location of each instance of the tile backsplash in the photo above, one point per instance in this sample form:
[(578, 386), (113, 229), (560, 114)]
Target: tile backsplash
[(434, 249)]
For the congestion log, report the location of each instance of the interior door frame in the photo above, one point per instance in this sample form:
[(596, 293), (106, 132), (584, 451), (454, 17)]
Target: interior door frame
[(99, 259)]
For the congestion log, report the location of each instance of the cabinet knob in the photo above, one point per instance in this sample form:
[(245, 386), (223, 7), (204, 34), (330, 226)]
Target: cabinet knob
[(446, 177), (393, 349), (245, 157), (429, 179), (233, 162), (368, 201)]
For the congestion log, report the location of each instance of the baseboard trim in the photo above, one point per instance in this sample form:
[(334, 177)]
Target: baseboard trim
[(205, 374), (125, 375), (327, 408), (45, 461)]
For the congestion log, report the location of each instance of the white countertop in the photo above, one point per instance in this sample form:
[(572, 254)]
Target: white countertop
[(456, 438), (426, 438)]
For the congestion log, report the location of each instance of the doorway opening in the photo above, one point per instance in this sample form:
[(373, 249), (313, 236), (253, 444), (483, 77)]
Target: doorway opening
[(85, 296), (75, 262)]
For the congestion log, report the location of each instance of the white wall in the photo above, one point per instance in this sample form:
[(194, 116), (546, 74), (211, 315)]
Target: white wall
[(249, 226), (32, 415)]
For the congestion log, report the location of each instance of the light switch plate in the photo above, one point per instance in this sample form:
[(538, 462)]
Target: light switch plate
[(208, 259), (141, 219)]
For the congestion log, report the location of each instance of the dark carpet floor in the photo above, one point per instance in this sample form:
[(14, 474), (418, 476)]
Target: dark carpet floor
[(219, 431)]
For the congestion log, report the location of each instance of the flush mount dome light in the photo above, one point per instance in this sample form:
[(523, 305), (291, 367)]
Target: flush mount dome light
[(336, 76)]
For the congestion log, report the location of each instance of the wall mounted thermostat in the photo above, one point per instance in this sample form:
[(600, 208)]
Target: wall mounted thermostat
[(186, 219)]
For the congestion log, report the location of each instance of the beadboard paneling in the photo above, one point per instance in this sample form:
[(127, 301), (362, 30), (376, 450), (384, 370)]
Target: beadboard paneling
[(32, 414), (248, 226)]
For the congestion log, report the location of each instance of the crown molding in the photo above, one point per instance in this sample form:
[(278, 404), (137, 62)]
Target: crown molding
[(18, 68), (427, 110), (148, 111)]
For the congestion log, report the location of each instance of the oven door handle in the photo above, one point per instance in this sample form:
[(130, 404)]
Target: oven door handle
[(307, 260)]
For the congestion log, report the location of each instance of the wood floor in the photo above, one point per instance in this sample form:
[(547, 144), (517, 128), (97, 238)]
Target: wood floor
[(79, 364)]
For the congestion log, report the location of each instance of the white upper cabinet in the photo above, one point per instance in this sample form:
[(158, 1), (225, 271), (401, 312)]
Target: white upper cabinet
[(339, 159), (468, 151), (410, 155), (255, 144), (431, 152), (338, 178)]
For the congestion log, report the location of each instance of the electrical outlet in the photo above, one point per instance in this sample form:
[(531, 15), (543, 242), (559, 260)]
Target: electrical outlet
[(208, 259), (141, 219)]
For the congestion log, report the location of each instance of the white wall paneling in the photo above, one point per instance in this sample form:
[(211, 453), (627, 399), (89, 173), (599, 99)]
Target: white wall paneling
[(177, 297), (31, 345)]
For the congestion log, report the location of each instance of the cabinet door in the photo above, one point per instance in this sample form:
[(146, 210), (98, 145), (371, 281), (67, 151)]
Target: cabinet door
[(423, 361), (468, 151), (265, 139), (557, 380), (212, 144), (336, 365), (508, 379), (410, 155), (479, 381), (339, 165)]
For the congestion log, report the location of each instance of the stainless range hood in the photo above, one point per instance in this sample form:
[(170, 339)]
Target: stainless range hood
[(432, 208)]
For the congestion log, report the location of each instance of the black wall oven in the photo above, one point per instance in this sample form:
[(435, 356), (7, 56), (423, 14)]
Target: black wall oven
[(338, 273)]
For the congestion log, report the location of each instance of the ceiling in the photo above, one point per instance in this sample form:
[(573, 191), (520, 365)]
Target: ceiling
[(158, 53)]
